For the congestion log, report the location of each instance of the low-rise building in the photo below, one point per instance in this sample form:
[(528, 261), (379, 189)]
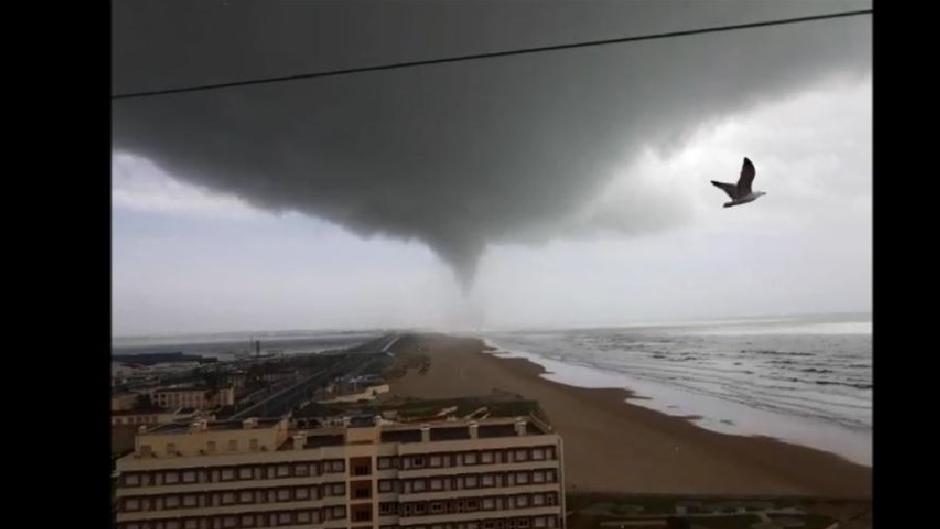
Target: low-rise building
[(123, 400), (200, 397), (151, 416)]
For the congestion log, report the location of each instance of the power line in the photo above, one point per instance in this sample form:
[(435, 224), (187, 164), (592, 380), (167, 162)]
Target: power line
[(489, 55)]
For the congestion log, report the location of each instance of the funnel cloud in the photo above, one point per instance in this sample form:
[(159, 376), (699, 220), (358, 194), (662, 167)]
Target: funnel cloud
[(462, 155)]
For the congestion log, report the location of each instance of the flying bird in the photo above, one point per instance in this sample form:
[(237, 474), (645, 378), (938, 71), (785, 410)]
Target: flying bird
[(741, 192)]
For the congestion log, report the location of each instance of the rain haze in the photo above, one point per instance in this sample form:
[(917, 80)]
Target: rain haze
[(559, 189)]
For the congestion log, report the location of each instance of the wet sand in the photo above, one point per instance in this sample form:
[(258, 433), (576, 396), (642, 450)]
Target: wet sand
[(613, 446)]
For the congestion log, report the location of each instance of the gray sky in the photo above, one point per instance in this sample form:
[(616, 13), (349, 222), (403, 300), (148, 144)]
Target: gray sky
[(567, 188)]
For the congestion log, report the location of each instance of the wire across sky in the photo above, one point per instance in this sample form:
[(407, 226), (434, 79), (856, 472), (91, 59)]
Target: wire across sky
[(486, 55)]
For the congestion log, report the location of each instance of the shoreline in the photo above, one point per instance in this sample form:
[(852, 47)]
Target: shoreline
[(705, 411), (612, 445)]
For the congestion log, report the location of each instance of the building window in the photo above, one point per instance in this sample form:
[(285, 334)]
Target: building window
[(192, 523), (339, 512), (521, 455), (171, 524), (550, 452), (189, 476), (247, 496), (386, 485), (190, 500), (488, 480), (283, 495), (488, 504), (301, 470), (538, 499), (538, 454), (470, 482), (470, 458), (131, 505), (338, 466), (302, 493), (437, 484), (417, 462), (171, 477), (551, 498), (228, 474), (132, 479), (522, 478), (339, 489), (171, 502), (486, 457), (229, 521), (228, 498), (540, 521), (244, 473), (436, 507), (283, 471), (303, 517), (284, 518), (434, 462), (248, 520), (418, 485), (384, 463)]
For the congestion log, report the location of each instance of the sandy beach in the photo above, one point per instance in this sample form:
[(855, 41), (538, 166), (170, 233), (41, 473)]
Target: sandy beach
[(613, 446)]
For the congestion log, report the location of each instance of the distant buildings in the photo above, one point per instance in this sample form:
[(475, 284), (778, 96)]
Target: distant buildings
[(499, 473)]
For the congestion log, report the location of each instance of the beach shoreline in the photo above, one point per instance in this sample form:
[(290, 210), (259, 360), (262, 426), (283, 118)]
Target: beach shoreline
[(611, 445)]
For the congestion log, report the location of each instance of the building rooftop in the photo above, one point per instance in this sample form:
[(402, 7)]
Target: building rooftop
[(211, 426), (148, 410), (193, 387)]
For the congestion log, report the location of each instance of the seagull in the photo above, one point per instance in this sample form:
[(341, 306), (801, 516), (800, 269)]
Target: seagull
[(741, 193)]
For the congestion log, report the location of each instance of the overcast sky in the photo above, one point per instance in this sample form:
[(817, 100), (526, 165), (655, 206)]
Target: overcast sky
[(566, 188)]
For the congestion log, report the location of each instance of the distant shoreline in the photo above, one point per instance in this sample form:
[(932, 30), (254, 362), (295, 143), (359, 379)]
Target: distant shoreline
[(614, 446)]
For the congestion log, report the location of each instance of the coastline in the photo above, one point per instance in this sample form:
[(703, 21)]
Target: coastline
[(612, 445)]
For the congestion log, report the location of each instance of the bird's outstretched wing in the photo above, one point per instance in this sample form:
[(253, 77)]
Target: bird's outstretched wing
[(747, 177), (731, 189)]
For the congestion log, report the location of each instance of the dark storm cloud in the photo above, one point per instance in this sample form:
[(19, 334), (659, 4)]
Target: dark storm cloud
[(456, 155)]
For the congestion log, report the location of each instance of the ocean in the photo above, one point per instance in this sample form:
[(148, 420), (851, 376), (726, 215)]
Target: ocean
[(804, 380)]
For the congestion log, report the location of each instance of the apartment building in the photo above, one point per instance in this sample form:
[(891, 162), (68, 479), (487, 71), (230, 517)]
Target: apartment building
[(499, 473)]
